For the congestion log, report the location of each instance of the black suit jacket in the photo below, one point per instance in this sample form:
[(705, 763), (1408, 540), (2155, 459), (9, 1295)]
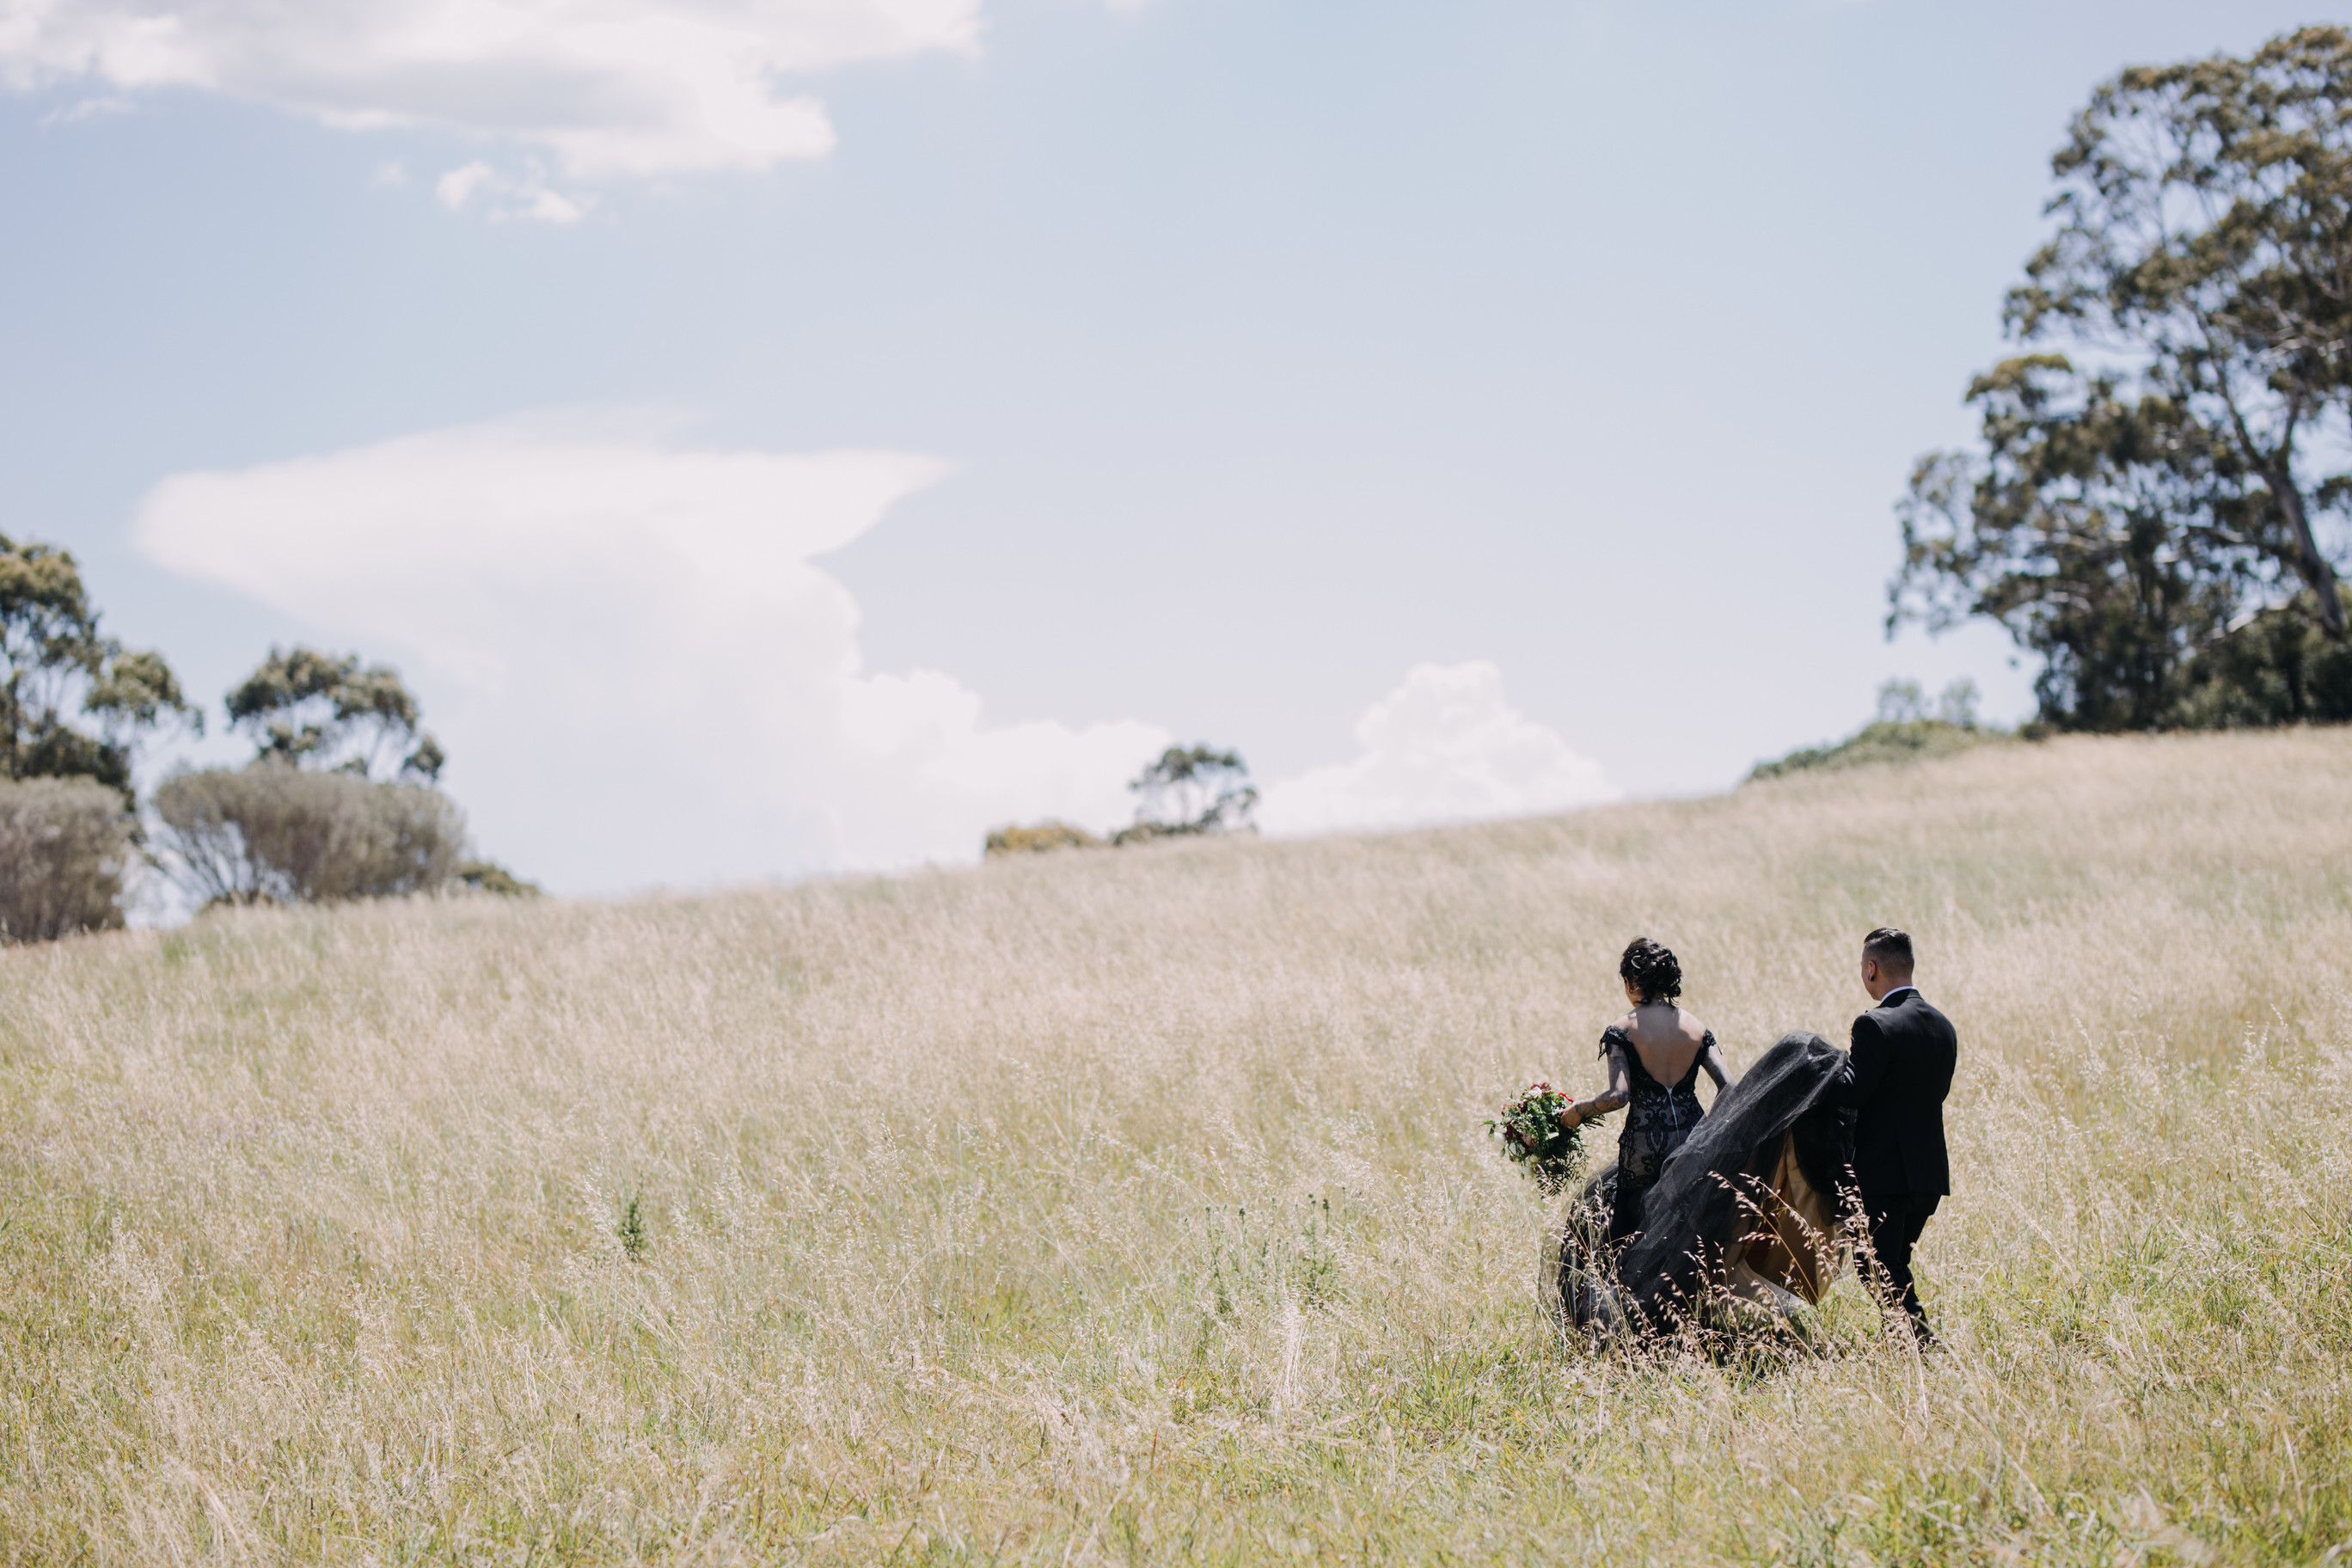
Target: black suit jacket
[(1895, 1080)]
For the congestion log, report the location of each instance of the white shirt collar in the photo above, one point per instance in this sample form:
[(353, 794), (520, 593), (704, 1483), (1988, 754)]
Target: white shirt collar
[(1894, 998)]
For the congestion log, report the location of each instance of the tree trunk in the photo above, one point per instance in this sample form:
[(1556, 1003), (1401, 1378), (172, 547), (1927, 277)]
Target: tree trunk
[(2314, 567)]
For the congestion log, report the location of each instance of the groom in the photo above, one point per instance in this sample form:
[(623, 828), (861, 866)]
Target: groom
[(1895, 1080)]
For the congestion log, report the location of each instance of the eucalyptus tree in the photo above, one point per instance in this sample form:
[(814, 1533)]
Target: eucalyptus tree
[(73, 701), (1191, 790), (2164, 472), (314, 710)]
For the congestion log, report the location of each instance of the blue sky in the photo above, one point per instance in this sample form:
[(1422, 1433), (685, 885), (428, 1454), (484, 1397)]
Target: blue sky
[(1207, 368)]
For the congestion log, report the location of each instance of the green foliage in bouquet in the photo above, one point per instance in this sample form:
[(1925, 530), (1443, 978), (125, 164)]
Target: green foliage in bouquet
[(1532, 1136)]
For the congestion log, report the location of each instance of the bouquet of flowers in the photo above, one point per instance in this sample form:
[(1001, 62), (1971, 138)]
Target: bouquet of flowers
[(1532, 1136)]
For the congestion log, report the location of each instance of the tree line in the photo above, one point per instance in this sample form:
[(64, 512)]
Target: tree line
[(2157, 509), (339, 801)]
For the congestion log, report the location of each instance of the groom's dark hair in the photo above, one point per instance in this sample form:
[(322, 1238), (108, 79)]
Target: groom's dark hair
[(1890, 947), (1654, 970)]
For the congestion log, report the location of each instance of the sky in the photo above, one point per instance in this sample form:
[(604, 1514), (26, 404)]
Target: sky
[(783, 437)]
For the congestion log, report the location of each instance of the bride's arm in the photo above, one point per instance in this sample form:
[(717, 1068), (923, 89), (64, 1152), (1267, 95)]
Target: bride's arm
[(1615, 1098), (1711, 1060)]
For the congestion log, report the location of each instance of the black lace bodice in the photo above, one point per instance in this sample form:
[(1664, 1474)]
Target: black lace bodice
[(1659, 1120)]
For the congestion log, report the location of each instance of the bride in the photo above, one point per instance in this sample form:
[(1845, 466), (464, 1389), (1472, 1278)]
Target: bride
[(1656, 1054)]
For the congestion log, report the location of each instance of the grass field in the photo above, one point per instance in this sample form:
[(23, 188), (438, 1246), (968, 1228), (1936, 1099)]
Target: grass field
[(1134, 1206)]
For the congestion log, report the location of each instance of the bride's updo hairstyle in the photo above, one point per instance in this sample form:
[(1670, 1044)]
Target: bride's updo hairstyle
[(1654, 970)]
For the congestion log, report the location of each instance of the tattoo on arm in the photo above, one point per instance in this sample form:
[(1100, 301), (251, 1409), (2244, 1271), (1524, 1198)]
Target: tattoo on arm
[(1618, 1092)]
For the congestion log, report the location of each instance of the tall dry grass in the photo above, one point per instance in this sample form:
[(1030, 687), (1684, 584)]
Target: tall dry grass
[(1134, 1206)]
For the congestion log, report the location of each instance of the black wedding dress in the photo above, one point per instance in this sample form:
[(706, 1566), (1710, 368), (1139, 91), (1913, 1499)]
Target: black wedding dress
[(1689, 1213), (1658, 1121)]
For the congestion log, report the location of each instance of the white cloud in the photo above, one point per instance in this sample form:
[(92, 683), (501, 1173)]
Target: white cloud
[(456, 187), (1444, 747), (638, 672), (87, 109), (510, 197), (605, 87), (542, 205)]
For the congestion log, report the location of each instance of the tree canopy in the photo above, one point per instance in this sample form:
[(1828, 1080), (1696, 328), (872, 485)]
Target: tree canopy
[(314, 710), (2163, 475), (74, 702), (1192, 789)]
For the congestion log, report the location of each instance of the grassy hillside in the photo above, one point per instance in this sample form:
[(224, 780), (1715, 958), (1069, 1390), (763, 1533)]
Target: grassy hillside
[(1091, 1207)]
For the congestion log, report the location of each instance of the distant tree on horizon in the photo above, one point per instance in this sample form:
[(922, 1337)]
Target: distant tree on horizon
[(2145, 512), (74, 702), (1191, 790), (313, 710)]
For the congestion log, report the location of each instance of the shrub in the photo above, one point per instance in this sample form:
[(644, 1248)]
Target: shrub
[(1905, 730), (1038, 840), (2278, 668), (277, 834), (1887, 741), (63, 847), (489, 876)]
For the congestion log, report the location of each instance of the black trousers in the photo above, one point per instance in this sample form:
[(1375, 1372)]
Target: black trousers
[(1895, 1221)]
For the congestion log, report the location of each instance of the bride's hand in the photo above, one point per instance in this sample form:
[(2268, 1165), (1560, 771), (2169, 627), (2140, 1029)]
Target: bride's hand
[(1571, 1116)]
